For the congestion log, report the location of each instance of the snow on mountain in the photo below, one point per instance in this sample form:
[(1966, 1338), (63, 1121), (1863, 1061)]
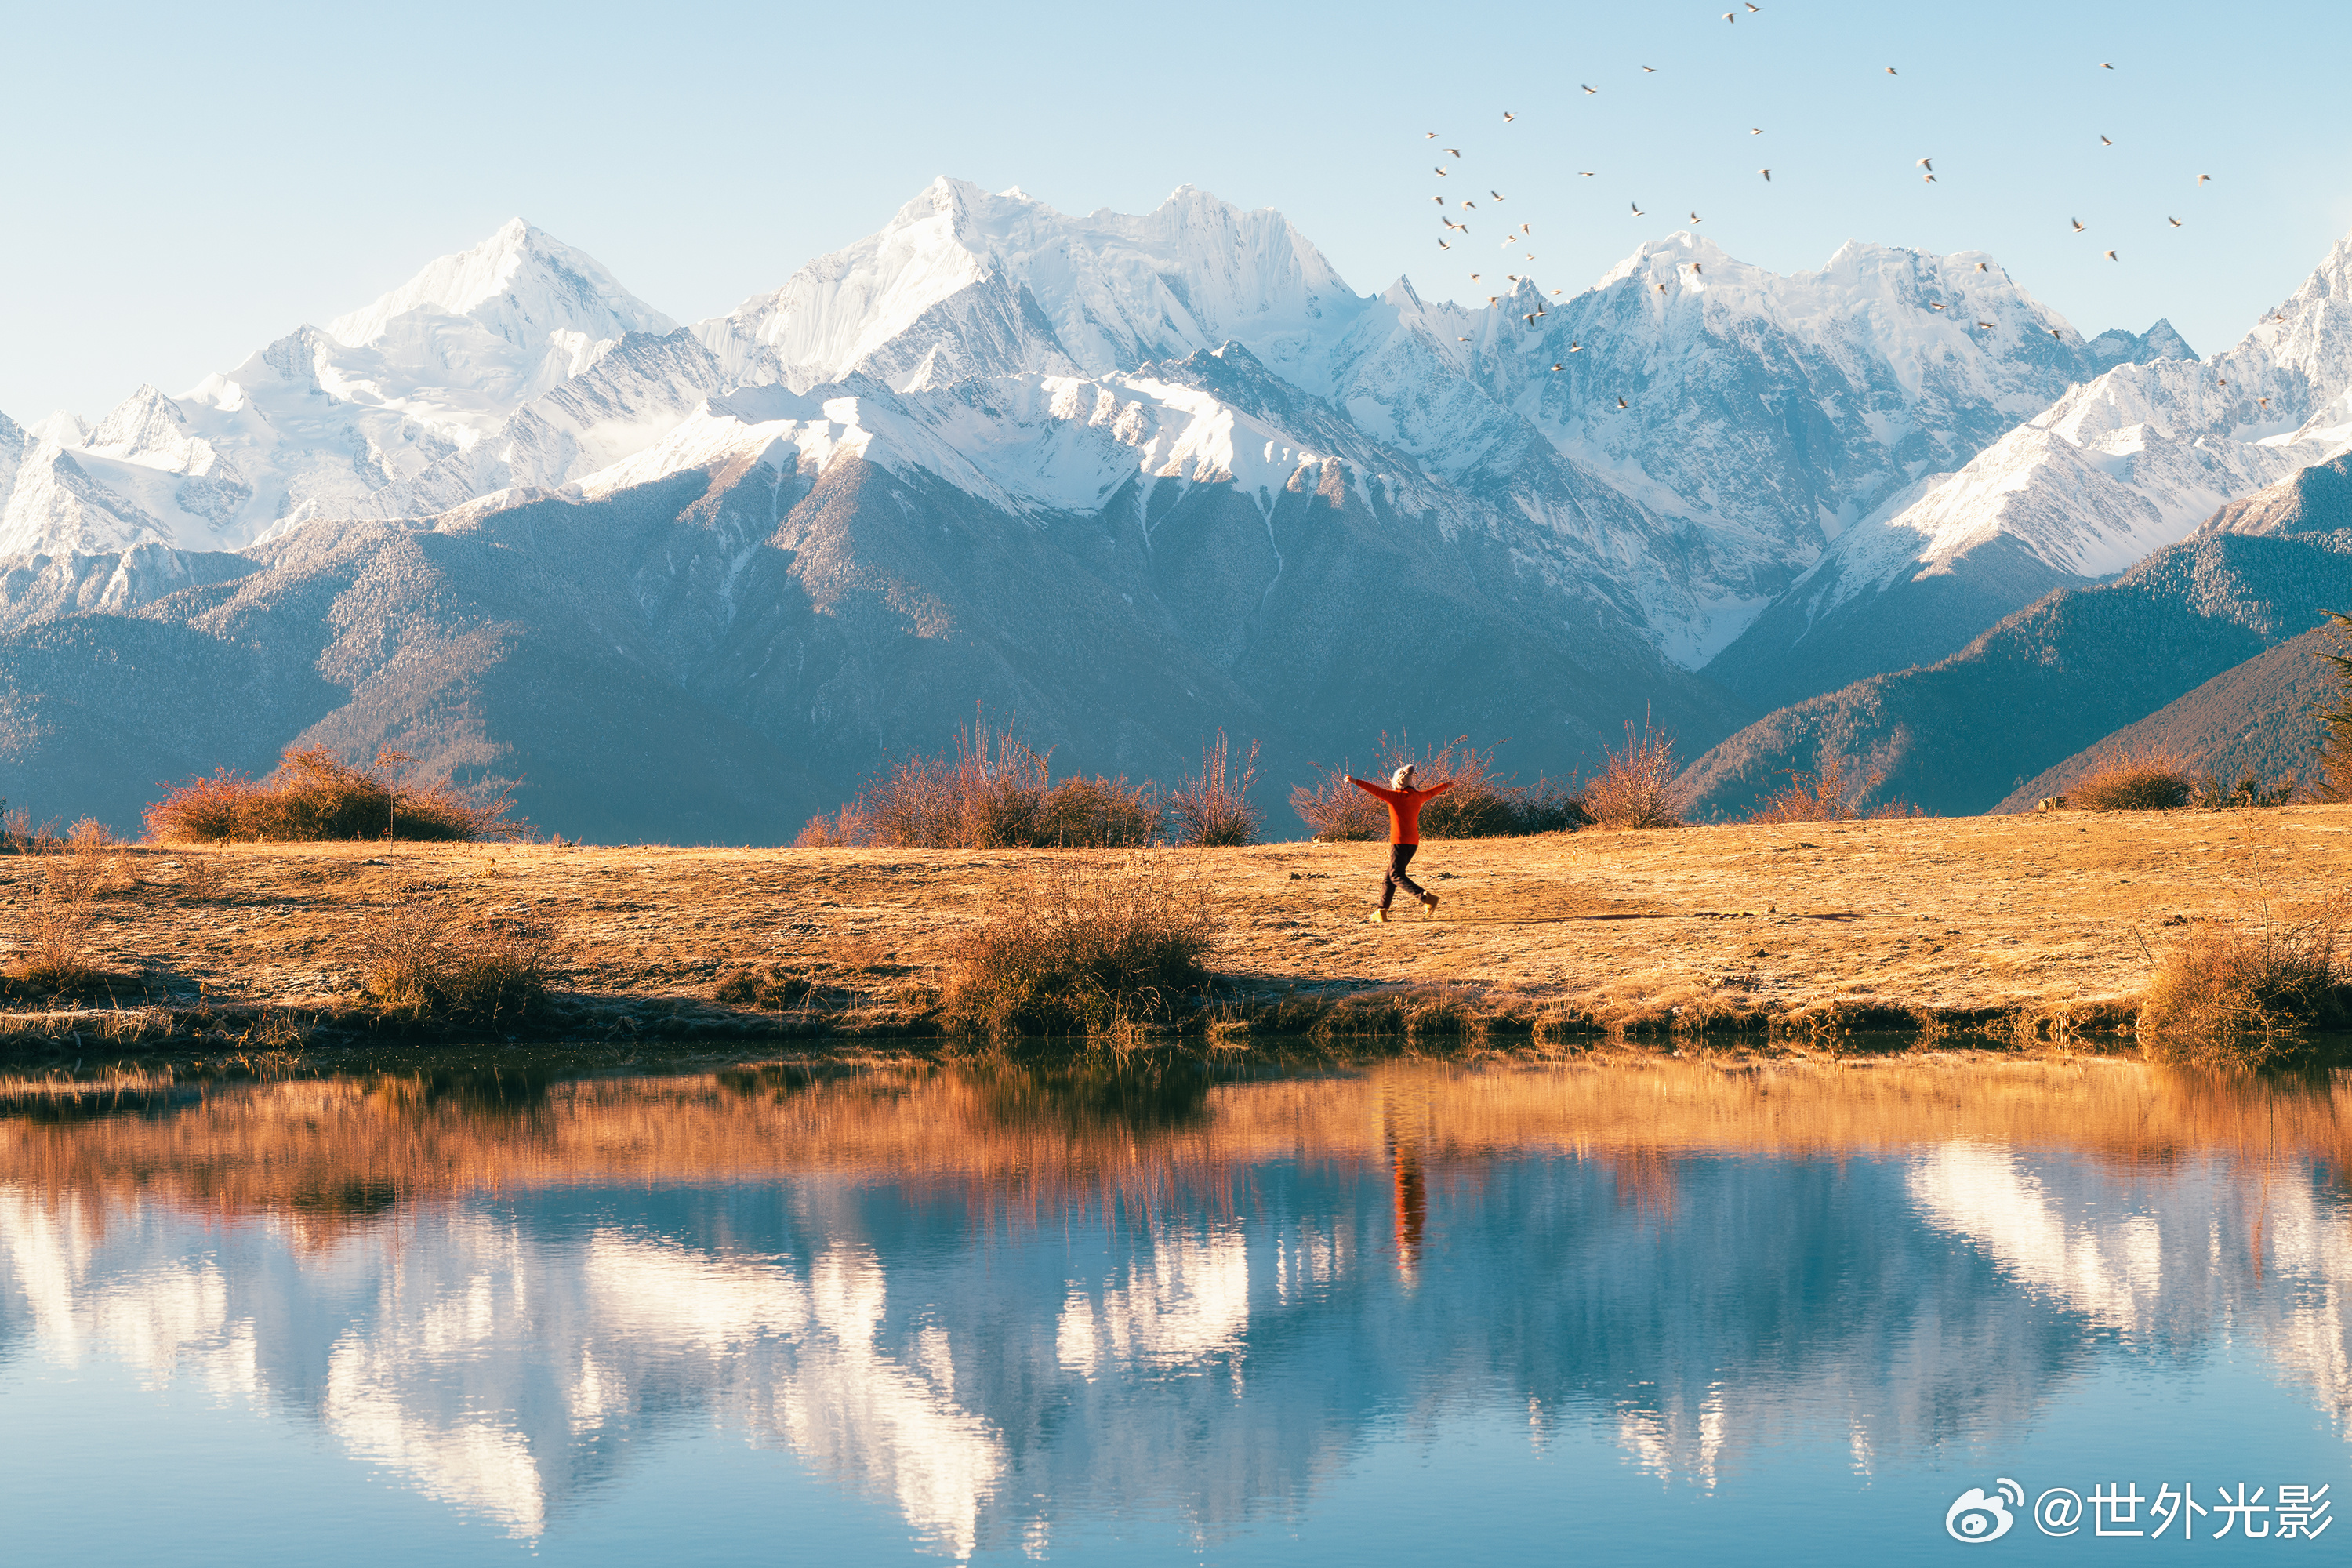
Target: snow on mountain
[(2123, 465), (963, 282), (319, 422), (1763, 415)]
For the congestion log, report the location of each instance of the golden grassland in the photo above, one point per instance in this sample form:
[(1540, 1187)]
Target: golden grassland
[(2039, 926), (337, 1149)]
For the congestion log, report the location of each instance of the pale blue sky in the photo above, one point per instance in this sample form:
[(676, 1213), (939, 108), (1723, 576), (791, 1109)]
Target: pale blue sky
[(188, 183)]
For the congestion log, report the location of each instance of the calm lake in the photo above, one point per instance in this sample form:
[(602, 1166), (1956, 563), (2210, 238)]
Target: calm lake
[(1650, 1311)]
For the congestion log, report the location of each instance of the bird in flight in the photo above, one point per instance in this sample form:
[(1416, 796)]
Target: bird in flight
[(1497, 194), (2204, 179), (1928, 178), (1473, 205), (1650, 69), (1694, 268), (1935, 304), (1439, 200), (1453, 152), (2078, 225), (1751, 4), (1474, 278), (1756, 130), (1439, 172), (1576, 348), (2263, 402), (2222, 381), (2107, 141), (1986, 325), (1637, 209), (2111, 256), (1981, 267), (1462, 340), (1555, 364), (1492, 297), (1432, 135), (1620, 402), (1890, 70), (1586, 174), (1530, 317), (1696, 219), (1662, 288), (1509, 116), (1767, 173), (1731, 16), (2106, 66), (1442, 246), (1926, 164), (2053, 333), (2173, 221), (1526, 228), (1588, 86)]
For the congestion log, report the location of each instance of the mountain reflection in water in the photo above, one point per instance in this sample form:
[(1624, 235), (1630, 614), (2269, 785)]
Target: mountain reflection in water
[(998, 1298)]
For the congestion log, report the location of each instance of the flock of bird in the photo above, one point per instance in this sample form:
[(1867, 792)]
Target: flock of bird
[(1524, 233)]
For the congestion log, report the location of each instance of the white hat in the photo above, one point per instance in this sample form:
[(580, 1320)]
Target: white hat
[(1401, 778)]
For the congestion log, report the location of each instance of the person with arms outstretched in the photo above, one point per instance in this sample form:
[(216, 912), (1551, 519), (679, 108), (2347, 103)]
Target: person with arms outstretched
[(1404, 804)]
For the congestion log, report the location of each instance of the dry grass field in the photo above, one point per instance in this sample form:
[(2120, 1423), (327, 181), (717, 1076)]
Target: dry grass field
[(2038, 925)]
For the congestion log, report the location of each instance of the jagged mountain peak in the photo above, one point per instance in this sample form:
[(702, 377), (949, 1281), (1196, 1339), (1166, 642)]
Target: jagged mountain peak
[(521, 283), (998, 283)]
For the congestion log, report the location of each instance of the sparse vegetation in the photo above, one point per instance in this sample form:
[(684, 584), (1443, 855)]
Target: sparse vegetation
[(2233, 994), (433, 965), (993, 792), (2211, 794), (314, 796), (1211, 809), (1828, 794), (1636, 787), (2134, 781), (1481, 805), (1097, 949)]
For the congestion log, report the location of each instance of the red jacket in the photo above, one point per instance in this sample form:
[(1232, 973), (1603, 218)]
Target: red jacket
[(1404, 807)]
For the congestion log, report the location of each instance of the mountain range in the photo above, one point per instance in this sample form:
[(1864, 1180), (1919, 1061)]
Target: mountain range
[(1128, 478)]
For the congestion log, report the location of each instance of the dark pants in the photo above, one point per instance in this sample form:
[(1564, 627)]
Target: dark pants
[(1399, 856)]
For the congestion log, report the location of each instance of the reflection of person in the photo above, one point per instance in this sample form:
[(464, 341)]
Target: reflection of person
[(1404, 804)]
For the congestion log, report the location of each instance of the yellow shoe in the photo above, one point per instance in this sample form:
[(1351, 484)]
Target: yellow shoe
[(1428, 902), (1380, 917)]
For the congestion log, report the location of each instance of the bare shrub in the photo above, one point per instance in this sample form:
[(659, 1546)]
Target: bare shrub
[(1831, 793), (2231, 993), (451, 966), (833, 830), (313, 795), (2251, 791), (994, 792), (56, 934), (1481, 804), (1636, 787), (1337, 809), (200, 879), (2134, 781), (1212, 808), (16, 830), (1097, 949)]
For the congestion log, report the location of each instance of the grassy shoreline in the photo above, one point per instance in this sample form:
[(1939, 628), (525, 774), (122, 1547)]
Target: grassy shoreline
[(1991, 932)]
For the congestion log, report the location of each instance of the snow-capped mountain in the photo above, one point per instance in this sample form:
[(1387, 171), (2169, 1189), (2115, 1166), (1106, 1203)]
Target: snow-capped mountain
[(320, 421), (1762, 415), (2120, 466), (1225, 464)]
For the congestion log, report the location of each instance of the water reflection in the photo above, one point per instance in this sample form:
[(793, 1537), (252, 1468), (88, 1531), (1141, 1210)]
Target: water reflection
[(999, 1299)]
